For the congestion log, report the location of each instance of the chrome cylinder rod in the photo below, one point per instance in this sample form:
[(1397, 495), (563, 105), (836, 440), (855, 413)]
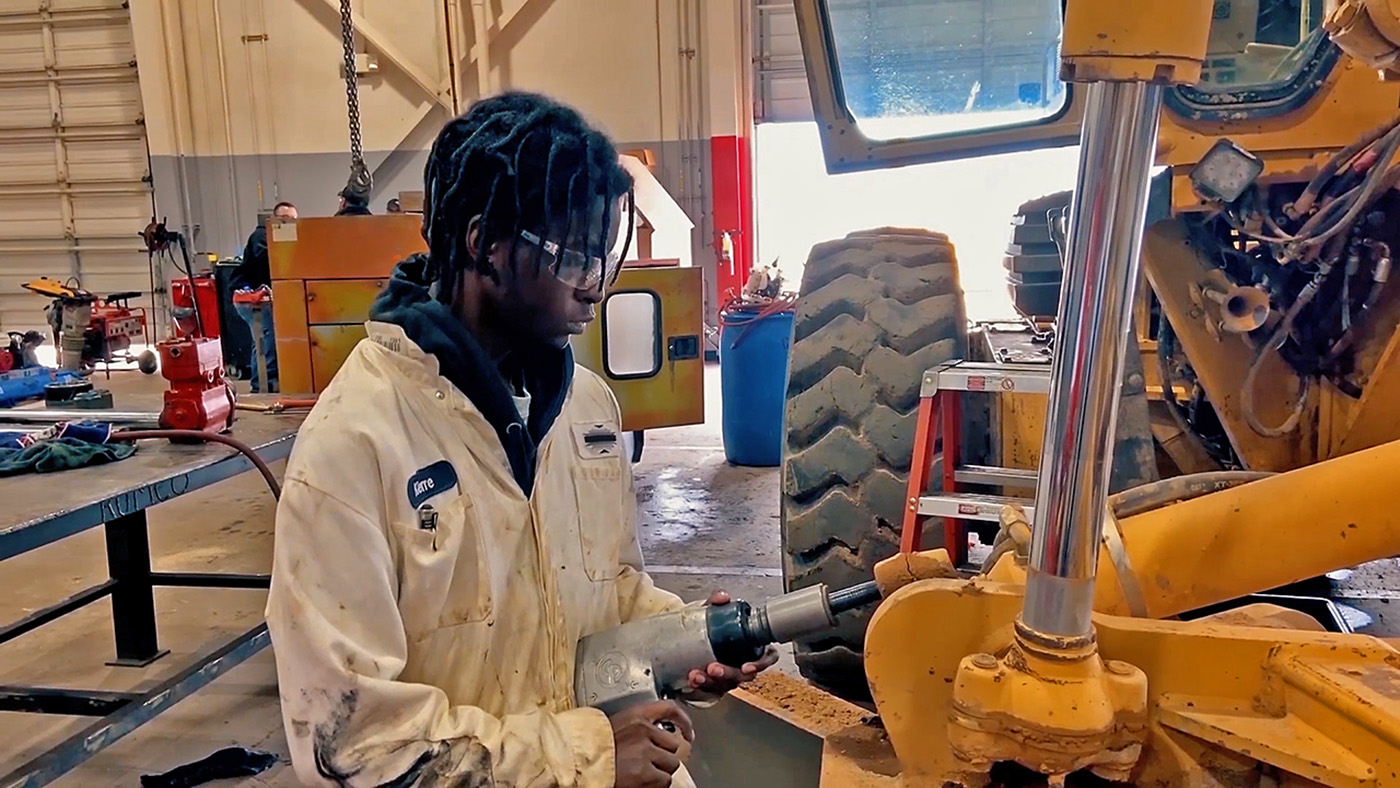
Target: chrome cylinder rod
[(1105, 236)]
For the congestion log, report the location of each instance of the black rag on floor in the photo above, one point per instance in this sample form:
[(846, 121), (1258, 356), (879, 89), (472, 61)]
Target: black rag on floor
[(222, 765)]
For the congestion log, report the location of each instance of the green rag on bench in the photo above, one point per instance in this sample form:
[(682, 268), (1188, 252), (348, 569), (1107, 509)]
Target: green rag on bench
[(61, 455)]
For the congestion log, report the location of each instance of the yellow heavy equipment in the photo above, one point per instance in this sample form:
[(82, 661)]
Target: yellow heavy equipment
[(1271, 330)]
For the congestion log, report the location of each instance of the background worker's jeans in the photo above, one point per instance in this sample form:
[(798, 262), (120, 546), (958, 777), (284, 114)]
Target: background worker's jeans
[(269, 342)]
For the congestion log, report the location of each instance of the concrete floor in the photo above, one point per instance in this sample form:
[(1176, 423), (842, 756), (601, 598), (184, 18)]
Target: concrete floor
[(706, 525)]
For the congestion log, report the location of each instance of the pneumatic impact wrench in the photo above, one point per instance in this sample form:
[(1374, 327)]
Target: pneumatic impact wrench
[(651, 659)]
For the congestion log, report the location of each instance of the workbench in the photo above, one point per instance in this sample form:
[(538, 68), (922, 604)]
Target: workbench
[(43, 510)]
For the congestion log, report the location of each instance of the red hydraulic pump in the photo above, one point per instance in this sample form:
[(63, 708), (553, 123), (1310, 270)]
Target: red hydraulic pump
[(198, 398)]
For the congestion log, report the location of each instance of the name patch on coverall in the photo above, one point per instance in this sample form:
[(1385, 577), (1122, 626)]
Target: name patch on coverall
[(432, 480)]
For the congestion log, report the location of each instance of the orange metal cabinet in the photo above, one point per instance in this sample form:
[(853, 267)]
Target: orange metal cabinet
[(293, 338), (648, 344), (335, 301), (325, 274), (330, 346)]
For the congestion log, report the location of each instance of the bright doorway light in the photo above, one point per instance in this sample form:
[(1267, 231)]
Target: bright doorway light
[(972, 201)]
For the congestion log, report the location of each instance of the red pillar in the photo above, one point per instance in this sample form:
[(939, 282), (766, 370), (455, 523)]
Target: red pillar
[(732, 178)]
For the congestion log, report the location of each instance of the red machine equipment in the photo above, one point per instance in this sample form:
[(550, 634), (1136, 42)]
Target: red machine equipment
[(198, 398), (195, 318), (89, 329), (19, 354)]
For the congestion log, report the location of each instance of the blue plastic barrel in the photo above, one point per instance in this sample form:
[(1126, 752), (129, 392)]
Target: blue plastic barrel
[(753, 363)]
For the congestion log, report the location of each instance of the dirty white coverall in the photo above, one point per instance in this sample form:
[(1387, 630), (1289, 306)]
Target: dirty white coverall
[(409, 656)]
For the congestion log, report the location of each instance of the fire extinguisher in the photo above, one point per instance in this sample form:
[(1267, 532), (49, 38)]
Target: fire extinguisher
[(726, 250)]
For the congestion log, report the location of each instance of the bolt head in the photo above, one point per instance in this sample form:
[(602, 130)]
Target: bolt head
[(1119, 668), (984, 661)]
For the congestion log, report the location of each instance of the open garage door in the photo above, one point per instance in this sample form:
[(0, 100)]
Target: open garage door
[(780, 80), (74, 172)]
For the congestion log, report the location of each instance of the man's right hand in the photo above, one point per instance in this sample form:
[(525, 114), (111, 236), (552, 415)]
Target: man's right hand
[(646, 754)]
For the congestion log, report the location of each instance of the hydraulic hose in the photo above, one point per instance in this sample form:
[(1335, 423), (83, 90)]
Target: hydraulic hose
[(1146, 497), (782, 303), (279, 405), (208, 437), (1369, 188), (1274, 342), (1380, 274), (1305, 201), (1322, 226)]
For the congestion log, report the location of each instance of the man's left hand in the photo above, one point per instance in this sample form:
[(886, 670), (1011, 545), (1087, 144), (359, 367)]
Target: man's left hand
[(718, 679)]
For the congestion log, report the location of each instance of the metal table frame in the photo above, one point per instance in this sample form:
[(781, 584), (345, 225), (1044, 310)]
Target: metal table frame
[(130, 584)]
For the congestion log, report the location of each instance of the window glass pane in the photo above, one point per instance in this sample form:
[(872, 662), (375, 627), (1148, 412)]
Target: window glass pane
[(1260, 43), (632, 326), (914, 68)]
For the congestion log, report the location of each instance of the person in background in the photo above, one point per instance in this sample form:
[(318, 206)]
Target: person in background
[(352, 204), (253, 275), (394, 206)]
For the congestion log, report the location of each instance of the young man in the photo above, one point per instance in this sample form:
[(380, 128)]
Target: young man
[(449, 527), (254, 274)]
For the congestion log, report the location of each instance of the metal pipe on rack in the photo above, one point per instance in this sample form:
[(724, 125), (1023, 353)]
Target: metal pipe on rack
[(54, 416), (1105, 238)]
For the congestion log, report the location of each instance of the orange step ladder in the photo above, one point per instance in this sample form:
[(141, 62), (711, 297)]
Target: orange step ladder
[(939, 426)]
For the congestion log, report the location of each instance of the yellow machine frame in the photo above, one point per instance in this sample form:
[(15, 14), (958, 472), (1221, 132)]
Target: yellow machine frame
[(674, 393), (963, 682)]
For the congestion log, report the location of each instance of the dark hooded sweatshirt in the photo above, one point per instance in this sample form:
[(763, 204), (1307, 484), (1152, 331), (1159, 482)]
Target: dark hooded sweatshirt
[(408, 303)]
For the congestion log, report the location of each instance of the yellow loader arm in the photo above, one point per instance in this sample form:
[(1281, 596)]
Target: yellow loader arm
[(1368, 30)]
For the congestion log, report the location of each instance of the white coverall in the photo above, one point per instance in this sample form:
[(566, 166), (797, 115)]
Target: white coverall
[(420, 653)]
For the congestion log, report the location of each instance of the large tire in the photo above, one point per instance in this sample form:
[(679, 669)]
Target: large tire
[(877, 309), (1035, 273)]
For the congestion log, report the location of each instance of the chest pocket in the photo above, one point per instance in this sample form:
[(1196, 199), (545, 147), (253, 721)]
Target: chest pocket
[(598, 494), (444, 579)]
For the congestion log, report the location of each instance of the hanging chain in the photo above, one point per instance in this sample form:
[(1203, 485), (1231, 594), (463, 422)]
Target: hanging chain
[(352, 80), (359, 173)]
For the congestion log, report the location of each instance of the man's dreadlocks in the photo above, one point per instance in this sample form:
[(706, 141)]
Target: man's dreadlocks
[(520, 161)]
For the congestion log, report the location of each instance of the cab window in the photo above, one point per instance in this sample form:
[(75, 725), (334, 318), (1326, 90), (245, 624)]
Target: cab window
[(918, 68), (1258, 44)]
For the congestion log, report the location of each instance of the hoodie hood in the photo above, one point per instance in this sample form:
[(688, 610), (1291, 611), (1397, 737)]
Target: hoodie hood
[(407, 301)]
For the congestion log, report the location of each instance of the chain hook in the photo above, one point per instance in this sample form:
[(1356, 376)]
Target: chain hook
[(360, 182)]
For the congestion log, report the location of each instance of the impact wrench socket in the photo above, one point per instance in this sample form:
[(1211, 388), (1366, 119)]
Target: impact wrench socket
[(651, 659)]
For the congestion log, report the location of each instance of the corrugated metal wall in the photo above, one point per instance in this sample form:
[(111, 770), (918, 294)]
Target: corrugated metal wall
[(74, 171), (780, 78)]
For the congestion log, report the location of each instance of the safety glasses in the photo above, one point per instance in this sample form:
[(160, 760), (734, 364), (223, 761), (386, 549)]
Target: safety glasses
[(574, 268)]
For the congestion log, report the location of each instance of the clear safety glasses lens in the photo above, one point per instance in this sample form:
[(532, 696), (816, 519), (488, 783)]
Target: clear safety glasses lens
[(574, 268)]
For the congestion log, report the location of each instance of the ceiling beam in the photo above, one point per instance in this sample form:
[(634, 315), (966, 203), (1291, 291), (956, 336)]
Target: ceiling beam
[(381, 42)]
